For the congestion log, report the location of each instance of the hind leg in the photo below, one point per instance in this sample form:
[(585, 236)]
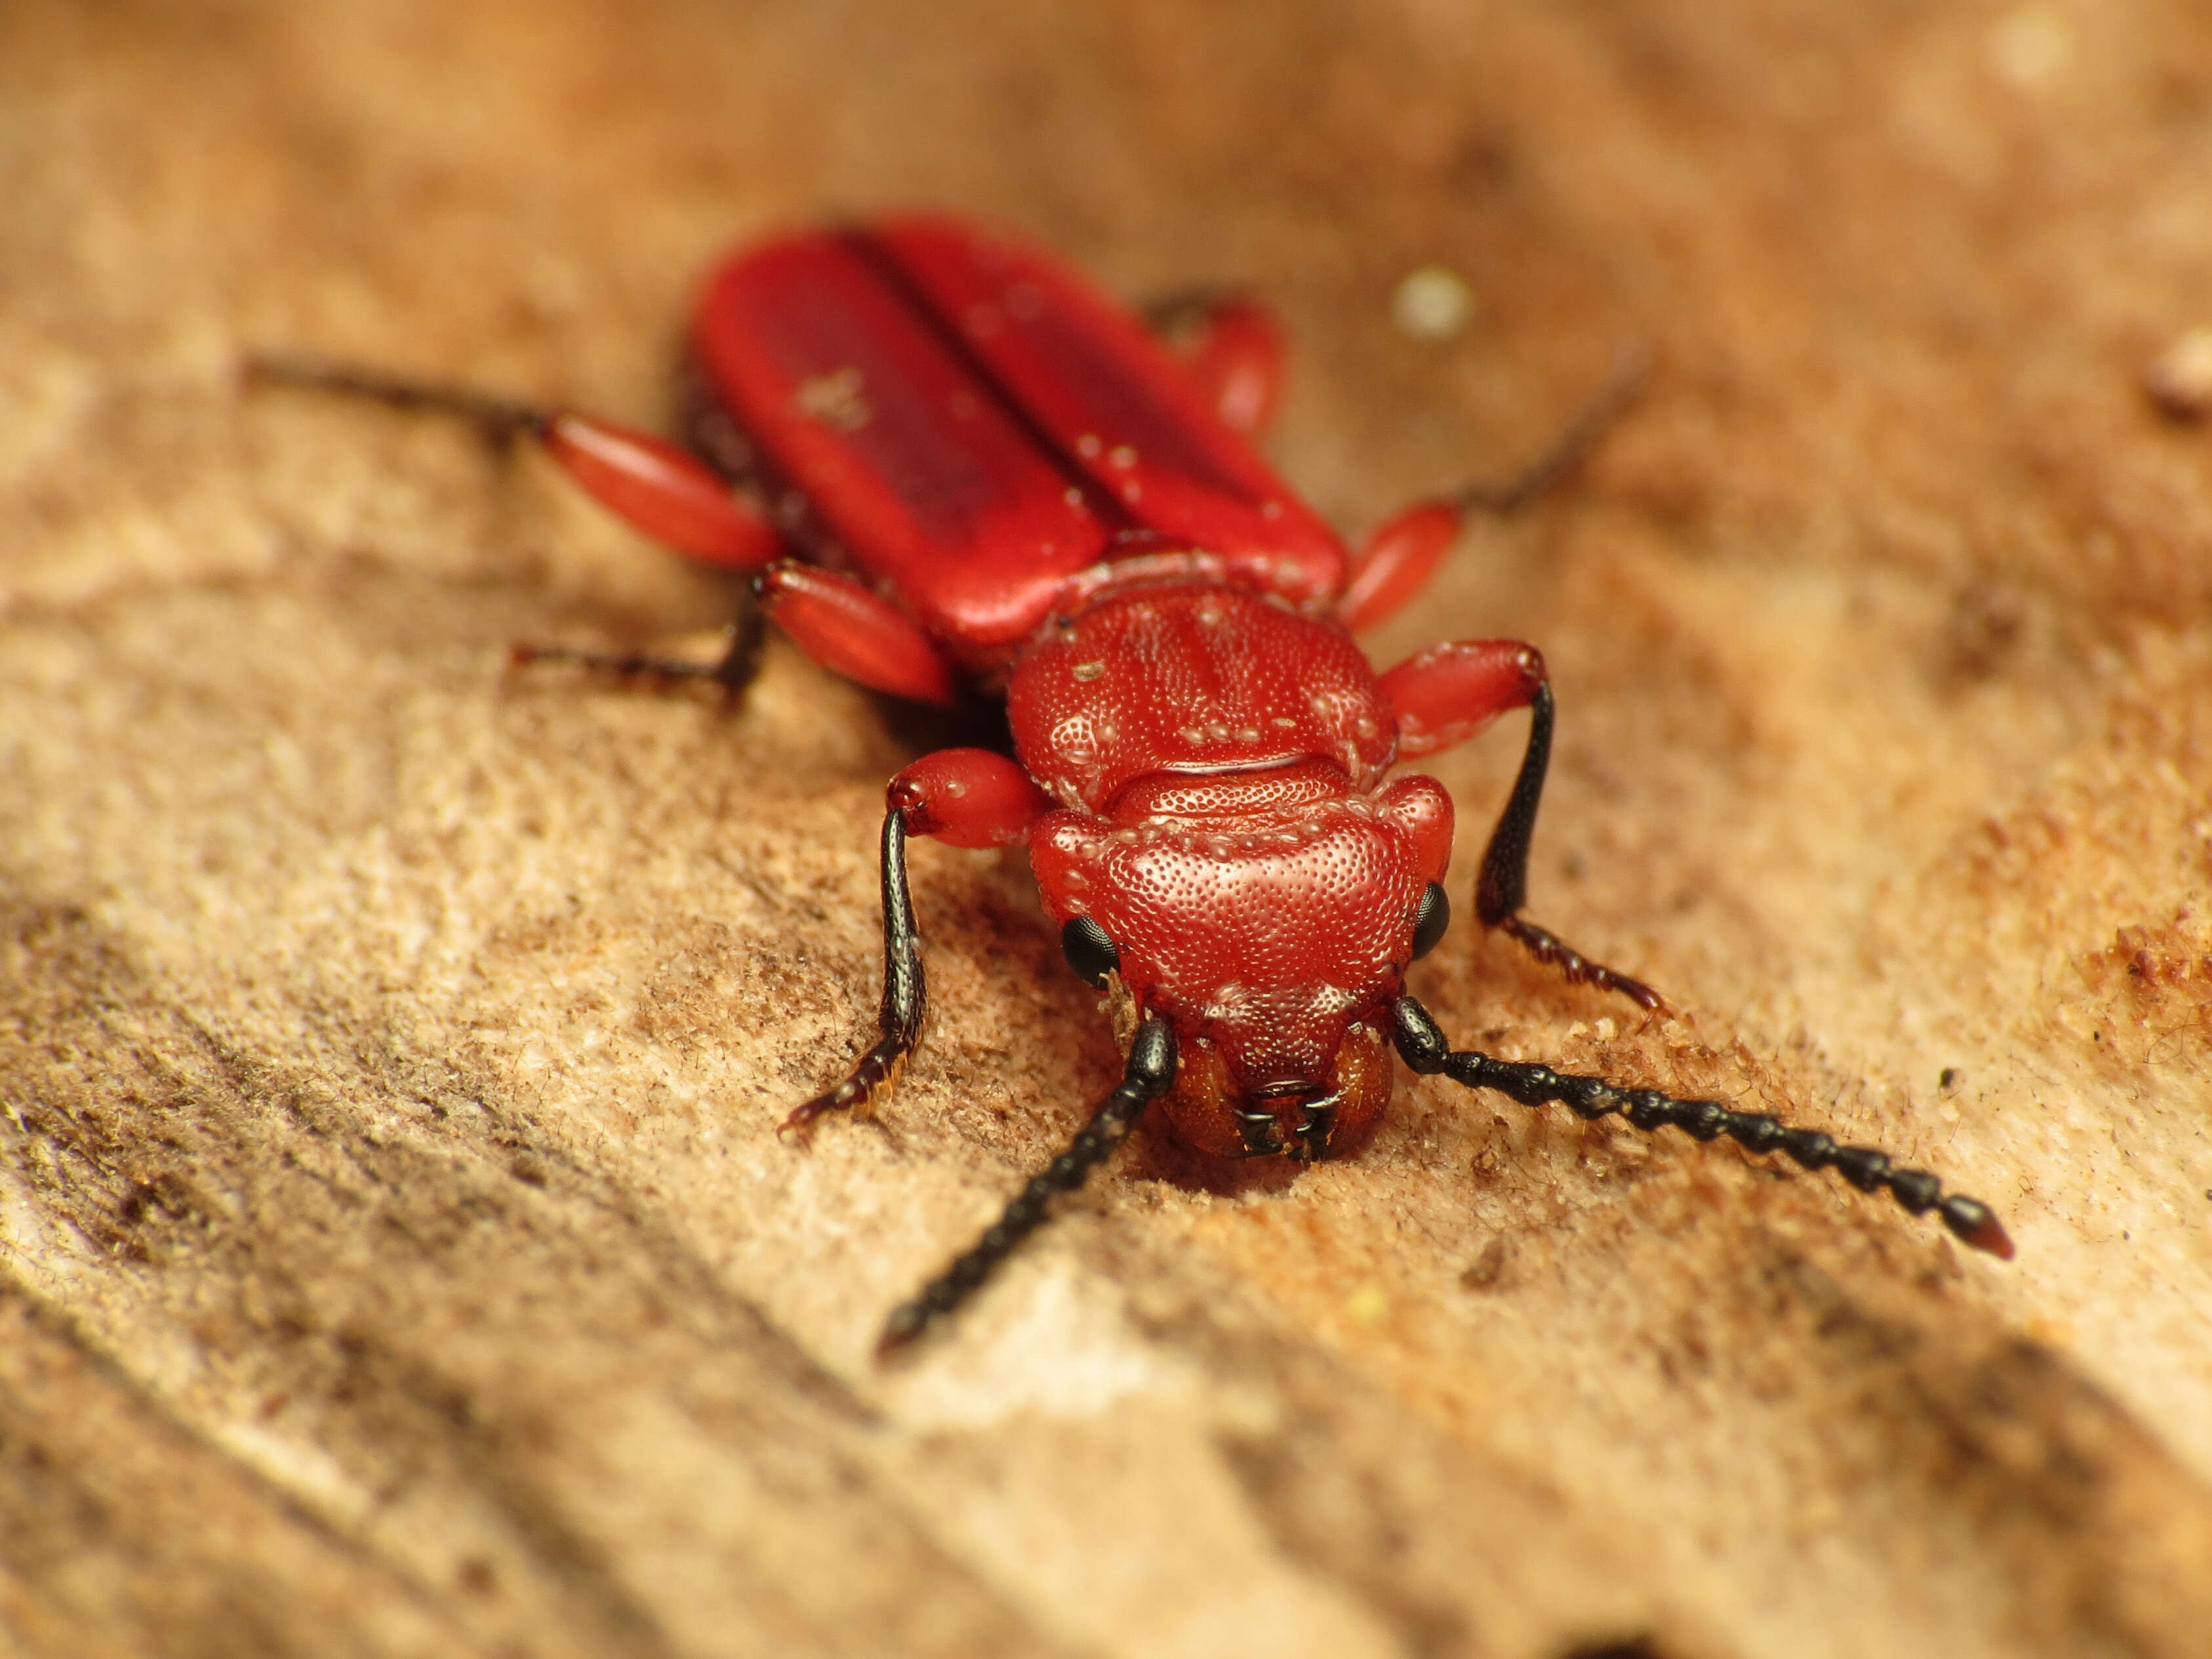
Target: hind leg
[(1231, 347), (1397, 562)]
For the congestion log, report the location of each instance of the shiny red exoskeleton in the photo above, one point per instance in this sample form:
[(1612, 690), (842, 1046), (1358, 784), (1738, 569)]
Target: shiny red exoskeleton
[(957, 465)]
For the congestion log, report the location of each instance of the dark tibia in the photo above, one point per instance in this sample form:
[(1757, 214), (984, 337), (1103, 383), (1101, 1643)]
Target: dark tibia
[(496, 418), (1503, 887), (906, 995), (1149, 1074), (1567, 451), (1422, 1046), (733, 670)]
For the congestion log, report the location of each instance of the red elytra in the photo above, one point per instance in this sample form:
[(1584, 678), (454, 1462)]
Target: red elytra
[(962, 467)]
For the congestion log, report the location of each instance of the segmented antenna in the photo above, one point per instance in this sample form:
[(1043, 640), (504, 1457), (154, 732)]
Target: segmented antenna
[(1149, 1074), (1423, 1047)]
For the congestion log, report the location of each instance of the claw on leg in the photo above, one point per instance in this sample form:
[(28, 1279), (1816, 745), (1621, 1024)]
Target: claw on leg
[(1571, 965)]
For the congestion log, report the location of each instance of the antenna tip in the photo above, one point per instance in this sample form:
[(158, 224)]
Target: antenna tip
[(1975, 1224), (905, 1324)]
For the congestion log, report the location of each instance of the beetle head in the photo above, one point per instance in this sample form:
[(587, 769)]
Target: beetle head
[(1269, 917)]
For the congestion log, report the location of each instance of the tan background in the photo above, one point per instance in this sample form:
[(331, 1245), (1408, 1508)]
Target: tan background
[(399, 1259)]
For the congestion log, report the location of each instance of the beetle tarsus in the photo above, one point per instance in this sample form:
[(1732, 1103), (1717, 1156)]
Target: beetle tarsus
[(1570, 448), (877, 1075), (733, 670), (1149, 1074), (906, 997), (498, 418), (619, 664), (1571, 965), (1421, 1045)]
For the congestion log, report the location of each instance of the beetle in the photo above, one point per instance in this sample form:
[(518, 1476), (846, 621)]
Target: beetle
[(962, 467)]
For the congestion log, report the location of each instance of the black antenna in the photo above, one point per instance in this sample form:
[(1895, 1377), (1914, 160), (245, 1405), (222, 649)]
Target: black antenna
[(1423, 1047), (1149, 1074)]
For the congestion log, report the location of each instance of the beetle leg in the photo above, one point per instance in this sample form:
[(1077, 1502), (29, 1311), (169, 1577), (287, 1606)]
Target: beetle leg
[(906, 995), (1446, 695), (850, 631), (1569, 449), (1397, 562), (732, 670), (968, 798), (1231, 348), (1421, 1045), (660, 489), (499, 419), (964, 797), (1451, 692), (1149, 1074), (1503, 886)]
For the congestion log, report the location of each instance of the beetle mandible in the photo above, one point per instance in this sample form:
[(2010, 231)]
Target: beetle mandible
[(962, 467)]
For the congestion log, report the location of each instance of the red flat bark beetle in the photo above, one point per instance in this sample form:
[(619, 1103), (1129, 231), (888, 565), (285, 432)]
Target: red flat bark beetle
[(958, 465)]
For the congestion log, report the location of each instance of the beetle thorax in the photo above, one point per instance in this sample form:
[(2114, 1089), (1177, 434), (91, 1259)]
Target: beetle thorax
[(1227, 827), (1192, 676)]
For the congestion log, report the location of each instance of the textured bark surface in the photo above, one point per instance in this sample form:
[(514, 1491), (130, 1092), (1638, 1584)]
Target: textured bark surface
[(398, 1256)]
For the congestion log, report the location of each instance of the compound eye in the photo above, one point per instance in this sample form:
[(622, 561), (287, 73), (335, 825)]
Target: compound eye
[(1430, 920), (1088, 950)]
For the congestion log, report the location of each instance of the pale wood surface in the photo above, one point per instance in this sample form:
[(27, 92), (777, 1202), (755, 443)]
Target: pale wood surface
[(398, 1256)]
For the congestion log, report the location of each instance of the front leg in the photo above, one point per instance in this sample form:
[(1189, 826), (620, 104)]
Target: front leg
[(968, 798), (906, 997), (1450, 693)]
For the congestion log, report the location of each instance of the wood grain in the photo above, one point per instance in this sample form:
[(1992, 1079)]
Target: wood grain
[(396, 1256)]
